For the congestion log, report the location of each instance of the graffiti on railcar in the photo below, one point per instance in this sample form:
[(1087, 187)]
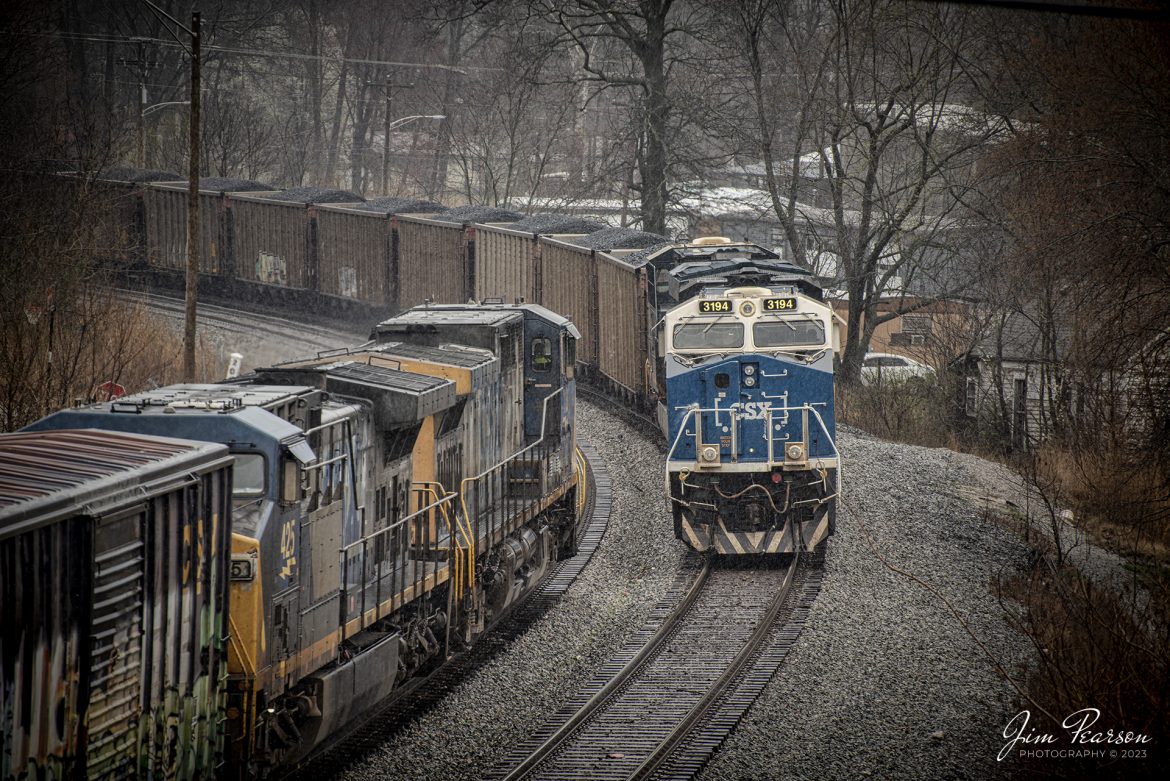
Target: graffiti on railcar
[(347, 282), (271, 268)]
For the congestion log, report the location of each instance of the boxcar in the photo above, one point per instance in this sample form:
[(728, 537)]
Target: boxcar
[(113, 593)]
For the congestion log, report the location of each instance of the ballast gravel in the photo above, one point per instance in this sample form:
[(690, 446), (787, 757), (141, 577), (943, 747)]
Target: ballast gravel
[(884, 682), (511, 696)]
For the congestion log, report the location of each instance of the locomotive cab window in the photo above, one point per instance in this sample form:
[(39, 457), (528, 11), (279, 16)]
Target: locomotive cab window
[(248, 476), (569, 351), (788, 332), (541, 354), (721, 334)]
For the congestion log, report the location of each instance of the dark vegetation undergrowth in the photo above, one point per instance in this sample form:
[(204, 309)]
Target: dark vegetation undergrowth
[(1094, 646)]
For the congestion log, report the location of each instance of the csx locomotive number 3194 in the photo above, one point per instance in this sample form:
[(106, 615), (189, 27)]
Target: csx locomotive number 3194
[(752, 466)]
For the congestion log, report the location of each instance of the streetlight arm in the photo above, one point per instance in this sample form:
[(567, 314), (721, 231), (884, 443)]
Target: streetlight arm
[(404, 120), (157, 106)]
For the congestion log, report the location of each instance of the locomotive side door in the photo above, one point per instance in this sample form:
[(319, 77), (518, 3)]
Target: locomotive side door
[(542, 376)]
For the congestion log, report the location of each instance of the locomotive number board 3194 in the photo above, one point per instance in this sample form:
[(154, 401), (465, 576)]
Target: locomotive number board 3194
[(779, 304), (714, 306)]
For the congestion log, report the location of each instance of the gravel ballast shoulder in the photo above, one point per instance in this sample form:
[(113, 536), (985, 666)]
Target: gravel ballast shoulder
[(511, 696), (885, 682)]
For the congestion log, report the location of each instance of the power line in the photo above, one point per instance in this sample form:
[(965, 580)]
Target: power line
[(242, 52), (1073, 9)]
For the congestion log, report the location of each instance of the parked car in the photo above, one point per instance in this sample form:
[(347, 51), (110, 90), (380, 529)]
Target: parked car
[(885, 368)]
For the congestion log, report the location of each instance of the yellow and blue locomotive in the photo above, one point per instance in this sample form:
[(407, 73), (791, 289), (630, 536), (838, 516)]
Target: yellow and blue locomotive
[(381, 506), (752, 466)]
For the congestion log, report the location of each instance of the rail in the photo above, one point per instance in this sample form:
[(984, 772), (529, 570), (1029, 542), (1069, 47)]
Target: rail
[(575, 743), (724, 682), (653, 643)]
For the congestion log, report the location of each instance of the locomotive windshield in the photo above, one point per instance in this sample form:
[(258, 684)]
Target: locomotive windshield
[(720, 334), (790, 332), (248, 475)]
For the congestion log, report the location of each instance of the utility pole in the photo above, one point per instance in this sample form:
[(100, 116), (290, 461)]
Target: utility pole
[(141, 106), (386, 137), (193, 243), (139, 119), (387, 126)]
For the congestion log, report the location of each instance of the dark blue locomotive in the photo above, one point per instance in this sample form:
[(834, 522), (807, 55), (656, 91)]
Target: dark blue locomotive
[(747, 358)]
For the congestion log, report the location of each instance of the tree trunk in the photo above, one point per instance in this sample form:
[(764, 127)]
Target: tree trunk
[(357, 152), (335, 130), (438, 184), (653, 163), (315, 77)]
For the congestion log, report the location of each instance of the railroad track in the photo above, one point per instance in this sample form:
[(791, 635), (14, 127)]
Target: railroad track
[(676, 690), (640, 421), (313, 337)]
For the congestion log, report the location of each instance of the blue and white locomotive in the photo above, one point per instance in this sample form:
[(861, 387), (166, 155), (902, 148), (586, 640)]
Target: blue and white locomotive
[(752, 466)]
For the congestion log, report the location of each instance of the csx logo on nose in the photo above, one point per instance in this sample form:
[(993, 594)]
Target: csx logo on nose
[(752, 410)]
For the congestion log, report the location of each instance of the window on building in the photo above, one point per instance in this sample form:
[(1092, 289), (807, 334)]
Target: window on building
[(972, 398), (916, 324), (1020, 412)]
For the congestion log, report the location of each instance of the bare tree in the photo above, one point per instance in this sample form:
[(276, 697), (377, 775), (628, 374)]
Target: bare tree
[(858, 115), (639, 46)]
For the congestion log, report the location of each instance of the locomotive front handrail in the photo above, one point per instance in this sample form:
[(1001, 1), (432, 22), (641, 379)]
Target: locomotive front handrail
[(695, 410), (805, 409)]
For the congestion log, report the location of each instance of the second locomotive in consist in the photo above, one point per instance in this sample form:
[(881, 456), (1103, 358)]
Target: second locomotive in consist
[(387, 503), (747, 360)]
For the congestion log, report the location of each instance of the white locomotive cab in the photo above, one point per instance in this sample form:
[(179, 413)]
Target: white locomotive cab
[(751, 319)]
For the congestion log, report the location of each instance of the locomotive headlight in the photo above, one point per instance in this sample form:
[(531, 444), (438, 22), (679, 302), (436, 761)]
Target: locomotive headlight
[(747, 309), (709, 453), (749, 382), (794, 452), (749, 370)]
